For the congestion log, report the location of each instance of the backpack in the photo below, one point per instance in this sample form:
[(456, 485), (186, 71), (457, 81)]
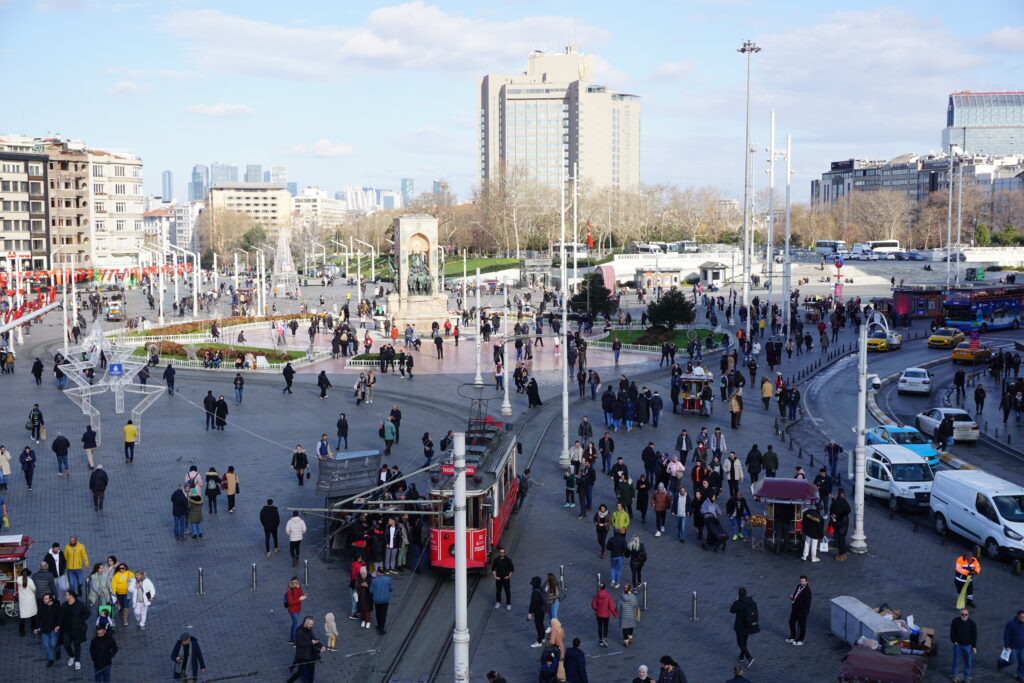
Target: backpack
[(285, 600), (750, 617), (380, 430), (211, 484)]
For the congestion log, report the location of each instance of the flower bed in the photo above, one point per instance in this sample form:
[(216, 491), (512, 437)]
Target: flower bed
[(168, 349), (205, 325)]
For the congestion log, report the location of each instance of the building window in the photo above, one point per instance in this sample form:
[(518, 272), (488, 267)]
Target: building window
[(119, 171), (97, 171), (99, 188), (119, 189), (119, 207), (101, 225), (119, 226)]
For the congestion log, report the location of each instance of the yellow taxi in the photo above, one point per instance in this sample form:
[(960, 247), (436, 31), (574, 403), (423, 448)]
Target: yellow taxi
[(963, 353), (880, 340), (945, 338)]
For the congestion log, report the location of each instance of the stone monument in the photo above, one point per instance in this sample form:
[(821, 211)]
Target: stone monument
[(419, 298)]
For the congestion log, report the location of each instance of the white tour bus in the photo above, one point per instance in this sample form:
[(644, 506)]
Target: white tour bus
[(884, 246), (829, 247)]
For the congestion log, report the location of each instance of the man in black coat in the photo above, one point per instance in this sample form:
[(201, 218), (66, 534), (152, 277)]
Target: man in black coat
[(270, 520), (209, 406), (396, 419), (60, 447), (840, 516), (47, 621), (801, 599), (74, 616), (179, 509), (745, 623), (89, 444), (220, 410), (169, 378), (307, 652), (102, 650), (289, 376), (98, 481), (186, 649)]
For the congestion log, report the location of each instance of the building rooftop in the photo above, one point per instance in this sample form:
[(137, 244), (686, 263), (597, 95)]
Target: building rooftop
[(243, 185)]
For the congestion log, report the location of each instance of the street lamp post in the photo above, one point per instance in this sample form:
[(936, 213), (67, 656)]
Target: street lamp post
[(479, 379), (749, 48), (858, 541), (563, 458), (959, 217), (160, 282), (787, 270), (769, 258), (949, 216), (373, 259), (460, 635), (261, 294), (195, 276), (506, 404), (575, 220)]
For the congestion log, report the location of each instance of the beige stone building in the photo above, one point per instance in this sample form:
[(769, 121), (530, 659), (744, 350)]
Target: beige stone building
[(23, 211), (554, 116), (116, 208), (268, 204), (70, 224)]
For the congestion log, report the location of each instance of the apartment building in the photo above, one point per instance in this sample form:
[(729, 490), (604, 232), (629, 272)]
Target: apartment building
[(316, 209), (268, 204), (24, 220), (116, 208), (68, 200), (184, 227)]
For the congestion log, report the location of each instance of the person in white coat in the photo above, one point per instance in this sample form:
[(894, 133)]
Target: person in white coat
[(143, 593), (27, 606), (296, 529)]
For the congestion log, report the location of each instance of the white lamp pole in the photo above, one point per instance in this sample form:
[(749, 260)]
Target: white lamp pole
[(64, 313), (464, 253), (479, 379), (771, 211), (959, 217), (359, 277), (787, 271), (373, 259), (949, 216), (506, 404), (236, 270), (858, 541), (575, 220), (460, 636), (563, 458), (749, 48), (177, 297)]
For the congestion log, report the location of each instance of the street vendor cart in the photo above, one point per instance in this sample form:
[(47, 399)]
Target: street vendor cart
[(691, 385), (816, 310), (784, 501), (13, 549)]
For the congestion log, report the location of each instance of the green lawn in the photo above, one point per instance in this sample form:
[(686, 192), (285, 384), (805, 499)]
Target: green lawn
[(453, 267), (679, 337)]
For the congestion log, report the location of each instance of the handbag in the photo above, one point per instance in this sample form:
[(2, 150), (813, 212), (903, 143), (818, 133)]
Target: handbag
[(637, 613), (823, 545), (560, 674), (42, 433), (28, 425)]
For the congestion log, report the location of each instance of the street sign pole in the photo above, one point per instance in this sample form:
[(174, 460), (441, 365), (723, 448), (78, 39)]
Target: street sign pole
[(460, 636)]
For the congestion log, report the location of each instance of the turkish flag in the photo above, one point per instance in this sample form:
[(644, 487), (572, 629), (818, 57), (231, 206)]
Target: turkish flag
[(590, 238)]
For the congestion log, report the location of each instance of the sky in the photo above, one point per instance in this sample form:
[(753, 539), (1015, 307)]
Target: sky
[(363, 94)]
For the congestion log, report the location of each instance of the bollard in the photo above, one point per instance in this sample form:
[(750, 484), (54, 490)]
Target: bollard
[(811, 462), (1017, 568), (254, 576), (202, 589), (693, 610), (1009, 437), (599, 581), (800, 455), (305, 573), (645, 596), (561, 577)]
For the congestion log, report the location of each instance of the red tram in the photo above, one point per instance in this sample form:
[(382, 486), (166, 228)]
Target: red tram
[(490, 496)]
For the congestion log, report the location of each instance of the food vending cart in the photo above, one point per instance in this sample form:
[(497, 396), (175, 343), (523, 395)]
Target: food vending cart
[(691, 385), (13, 549), (784, 503)]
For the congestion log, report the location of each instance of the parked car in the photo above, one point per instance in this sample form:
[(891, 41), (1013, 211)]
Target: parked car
[(916, 256), (898, 475), (880, 340), (964, 426), (909, 438), (963, 353), (914, 381), (959, 256), (901, 255), (982, 508), (945, 338)]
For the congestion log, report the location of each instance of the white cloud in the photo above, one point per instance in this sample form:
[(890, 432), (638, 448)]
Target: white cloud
[(671, 71), (222, 110), (125, 89), (412, 35), (1007, 39), (323, 147)]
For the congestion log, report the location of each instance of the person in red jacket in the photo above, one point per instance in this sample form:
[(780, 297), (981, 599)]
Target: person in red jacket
[(293, 599), (604, 608)]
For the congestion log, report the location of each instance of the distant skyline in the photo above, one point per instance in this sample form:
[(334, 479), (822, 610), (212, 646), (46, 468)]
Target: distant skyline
[(345, 94)]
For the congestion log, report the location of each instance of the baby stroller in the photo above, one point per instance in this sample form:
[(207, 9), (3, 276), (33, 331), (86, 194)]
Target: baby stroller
[(715, 537)]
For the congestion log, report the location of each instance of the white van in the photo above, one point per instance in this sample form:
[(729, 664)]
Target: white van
[(862, 252), (982, 508), (899, 475)]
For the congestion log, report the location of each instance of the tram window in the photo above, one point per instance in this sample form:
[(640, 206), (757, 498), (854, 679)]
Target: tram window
[(448, 509)]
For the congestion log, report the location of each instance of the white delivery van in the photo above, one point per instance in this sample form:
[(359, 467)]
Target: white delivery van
[(982, 508), (899, 475)]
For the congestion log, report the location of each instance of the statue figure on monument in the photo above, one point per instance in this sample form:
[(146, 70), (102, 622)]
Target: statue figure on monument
[(419, 274)]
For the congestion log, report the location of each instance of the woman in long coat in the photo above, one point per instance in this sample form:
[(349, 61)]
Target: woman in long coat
[(627, 614), (533, 393), (220, 410)]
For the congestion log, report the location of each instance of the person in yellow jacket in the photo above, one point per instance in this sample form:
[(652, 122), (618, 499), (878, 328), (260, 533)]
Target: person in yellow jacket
[(131, 435), (119, 588), (620, 518), (967, 568), (77, 560), (767, 389)]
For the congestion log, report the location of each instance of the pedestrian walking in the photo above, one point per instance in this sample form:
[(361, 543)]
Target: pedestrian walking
[(840, 516), (169, 378), (323, 383), (195, 514), (381, 588), (300, 461), (575, 664), (814, 530), (60, 448), (963, 633), (616, 553), (187, 654), (502, 568), (637, 554), (239, 384), (629, 614), (537, 609), (798, 611), (294, 596), (101, 651), (212, 490), (602, 523), (48, 621), (220, 412), (179, 511), (57, 563), (604, 609), (98, 482), (661, 500), (89, 445), (289, 376), (28, 605), (5, 467), (229, 482), (131, 435), (342, 427), (388, 432), (74, 616), (307, 652), (295, 529), (77, 560), (270, 520), (143, 594), (1013, 644), (36, 423), (745, 623)]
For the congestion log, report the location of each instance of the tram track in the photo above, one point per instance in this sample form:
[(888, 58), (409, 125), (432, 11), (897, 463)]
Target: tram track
[(441, 608)]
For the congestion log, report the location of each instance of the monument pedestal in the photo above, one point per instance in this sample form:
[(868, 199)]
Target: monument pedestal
[(418, 310)]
